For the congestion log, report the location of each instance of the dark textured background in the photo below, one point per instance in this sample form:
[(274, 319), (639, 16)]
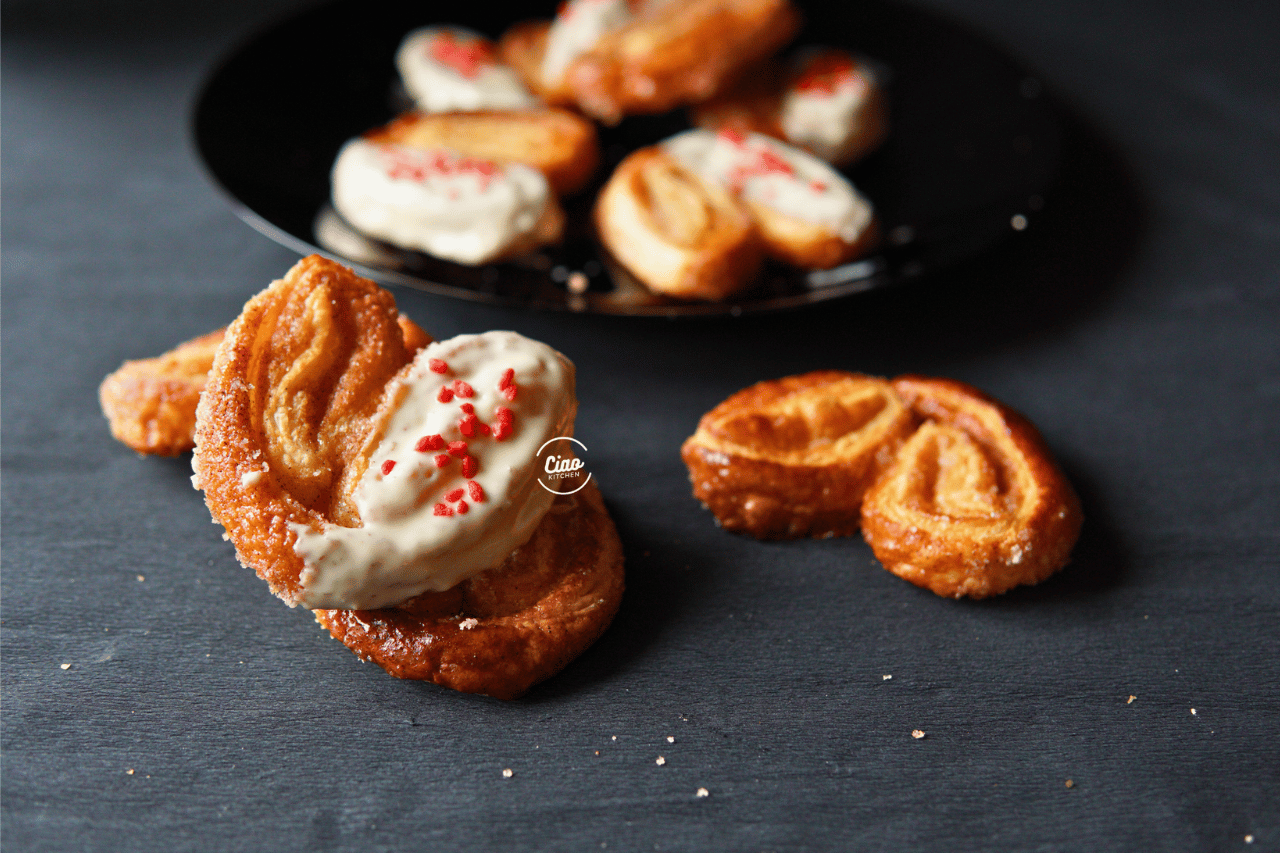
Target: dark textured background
[(1138, 324)]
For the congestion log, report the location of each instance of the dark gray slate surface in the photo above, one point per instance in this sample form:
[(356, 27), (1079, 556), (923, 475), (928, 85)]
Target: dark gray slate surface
[(1138, 325)]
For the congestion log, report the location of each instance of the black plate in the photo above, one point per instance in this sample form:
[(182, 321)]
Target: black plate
[(973, 148)]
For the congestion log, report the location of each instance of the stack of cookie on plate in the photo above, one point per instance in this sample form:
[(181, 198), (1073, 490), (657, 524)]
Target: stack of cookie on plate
[(501, 132)]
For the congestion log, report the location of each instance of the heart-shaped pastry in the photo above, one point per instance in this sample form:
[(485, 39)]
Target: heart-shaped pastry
[(792, 457), (973, 504), (676, 232), (353, 475), (824, 100)]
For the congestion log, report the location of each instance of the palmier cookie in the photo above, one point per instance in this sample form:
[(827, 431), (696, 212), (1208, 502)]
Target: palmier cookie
[(559, 144), (675, 231), (824, 100), (973, 504), (792, 457), (449, 68), (150, 403), (351, 474), (805, 211), (465, 209), (614, 58)]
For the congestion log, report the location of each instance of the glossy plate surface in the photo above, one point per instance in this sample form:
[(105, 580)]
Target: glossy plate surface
[(973, 148)]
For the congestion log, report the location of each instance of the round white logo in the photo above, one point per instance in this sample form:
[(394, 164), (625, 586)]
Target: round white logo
[(561, 470)]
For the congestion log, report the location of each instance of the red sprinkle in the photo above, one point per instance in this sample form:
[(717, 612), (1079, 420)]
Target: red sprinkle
[(509, 393), (463, 508), (453, 496), (467, 425), (438, 365), (388, 466), (502, 430), (466, 57), (469, 466), (473, 489), (462, 389), (732, 135), (468, 408), (442, 460), (445, 395), (508, 378), (818, 186), (458, 449), (482, 427), (442, 509), (503, 414), (428, 443)]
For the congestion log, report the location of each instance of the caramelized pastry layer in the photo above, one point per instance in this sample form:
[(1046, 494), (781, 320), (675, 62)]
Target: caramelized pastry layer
[(511, 627), (557, 143), (974, 504), (150, 403), (792, 457), (675, 231)]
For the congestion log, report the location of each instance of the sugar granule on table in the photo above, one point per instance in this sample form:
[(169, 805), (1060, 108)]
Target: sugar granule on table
[(702, 792), (506, 774), (661, 761), (917, 734)]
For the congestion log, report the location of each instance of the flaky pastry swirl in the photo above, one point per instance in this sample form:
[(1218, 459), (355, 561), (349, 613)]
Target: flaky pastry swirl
[(973, 504), (502, 631), (792, 457), (150, 403), (676, 232), (284, 427)]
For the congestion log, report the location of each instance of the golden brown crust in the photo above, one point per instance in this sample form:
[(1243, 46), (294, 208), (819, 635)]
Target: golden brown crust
[(675, 232), (974, 503), (150, 403), (677, 53), (754, 104), (560, 144), (292, 398), (792, 457), (808, 244), (533, 614)]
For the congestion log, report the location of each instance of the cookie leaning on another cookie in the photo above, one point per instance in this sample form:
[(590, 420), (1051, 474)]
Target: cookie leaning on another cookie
[(353, 474), (953, 490)]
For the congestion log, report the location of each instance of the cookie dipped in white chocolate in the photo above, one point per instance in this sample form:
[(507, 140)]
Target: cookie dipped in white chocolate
[(807, 212), (576, 29), (832, 107), (459, 208), (452, 486), (448, 69)]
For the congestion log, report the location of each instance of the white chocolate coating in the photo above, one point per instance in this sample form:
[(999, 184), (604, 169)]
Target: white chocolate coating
[(824, 121), (403, 546), (438, 87), (450, 206), (779, 176), (576, 30)]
